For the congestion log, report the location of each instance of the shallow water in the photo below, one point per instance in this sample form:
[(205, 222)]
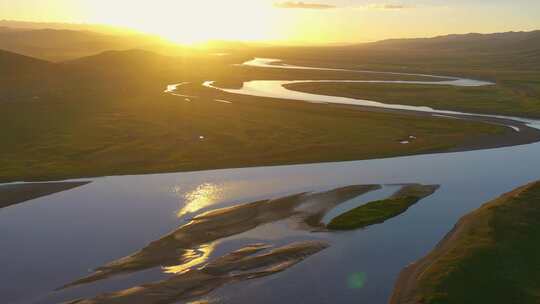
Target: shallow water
[(53, 240), (278, 63)]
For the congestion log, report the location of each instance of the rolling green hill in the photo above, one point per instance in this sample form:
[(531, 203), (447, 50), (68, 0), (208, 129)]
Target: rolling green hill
[(24, 77)]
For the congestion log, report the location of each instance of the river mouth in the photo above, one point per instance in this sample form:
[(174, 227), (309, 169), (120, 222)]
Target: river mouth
[(62, 237)]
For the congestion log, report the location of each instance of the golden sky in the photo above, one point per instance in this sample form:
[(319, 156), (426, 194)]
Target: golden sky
[(331, 21)]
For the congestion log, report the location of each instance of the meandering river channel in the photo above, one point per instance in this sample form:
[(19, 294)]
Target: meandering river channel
[(57, 239)]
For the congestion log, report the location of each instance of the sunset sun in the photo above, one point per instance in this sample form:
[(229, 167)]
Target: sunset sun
[(191, 22), (269, 151)]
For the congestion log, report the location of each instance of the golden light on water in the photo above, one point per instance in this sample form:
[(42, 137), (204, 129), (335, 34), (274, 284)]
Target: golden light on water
[(203, 196), (193, 257)]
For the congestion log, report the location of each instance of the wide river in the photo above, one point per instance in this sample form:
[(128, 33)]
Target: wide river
[(56, 239)]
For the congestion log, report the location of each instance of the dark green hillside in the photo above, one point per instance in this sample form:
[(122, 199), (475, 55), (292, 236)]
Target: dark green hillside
[(23, 78)]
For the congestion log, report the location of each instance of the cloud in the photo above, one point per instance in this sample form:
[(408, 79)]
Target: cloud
[(303, 5), (388, 6)]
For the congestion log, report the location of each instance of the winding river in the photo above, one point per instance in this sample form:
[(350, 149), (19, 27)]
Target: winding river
[(56, 239), (277, 89)]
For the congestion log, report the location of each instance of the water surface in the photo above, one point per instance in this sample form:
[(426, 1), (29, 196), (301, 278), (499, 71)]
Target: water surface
[(54, 240)]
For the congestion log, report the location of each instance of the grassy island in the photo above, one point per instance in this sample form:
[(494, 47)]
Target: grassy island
[(379, 211)]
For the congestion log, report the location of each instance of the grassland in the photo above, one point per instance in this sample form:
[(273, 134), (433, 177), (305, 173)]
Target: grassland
[(107, 115), (491, 256), (380, 211), (114, 135)]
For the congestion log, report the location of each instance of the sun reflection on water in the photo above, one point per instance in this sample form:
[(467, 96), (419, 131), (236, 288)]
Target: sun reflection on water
[(203, 196), (193, 257)]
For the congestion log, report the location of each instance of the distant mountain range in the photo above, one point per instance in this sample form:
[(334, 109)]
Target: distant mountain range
[(98, 28), (92, 59), (61, 44), (469, 53), (508, 41)]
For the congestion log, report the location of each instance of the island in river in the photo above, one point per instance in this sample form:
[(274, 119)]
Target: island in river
[(379, 211)]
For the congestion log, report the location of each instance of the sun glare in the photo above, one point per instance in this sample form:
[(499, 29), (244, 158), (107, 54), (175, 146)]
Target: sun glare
[(189, 21)]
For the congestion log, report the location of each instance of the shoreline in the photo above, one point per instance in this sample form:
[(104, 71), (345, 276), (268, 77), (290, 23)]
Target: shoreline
[(526, 135), (406, 285), (13, 194)]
